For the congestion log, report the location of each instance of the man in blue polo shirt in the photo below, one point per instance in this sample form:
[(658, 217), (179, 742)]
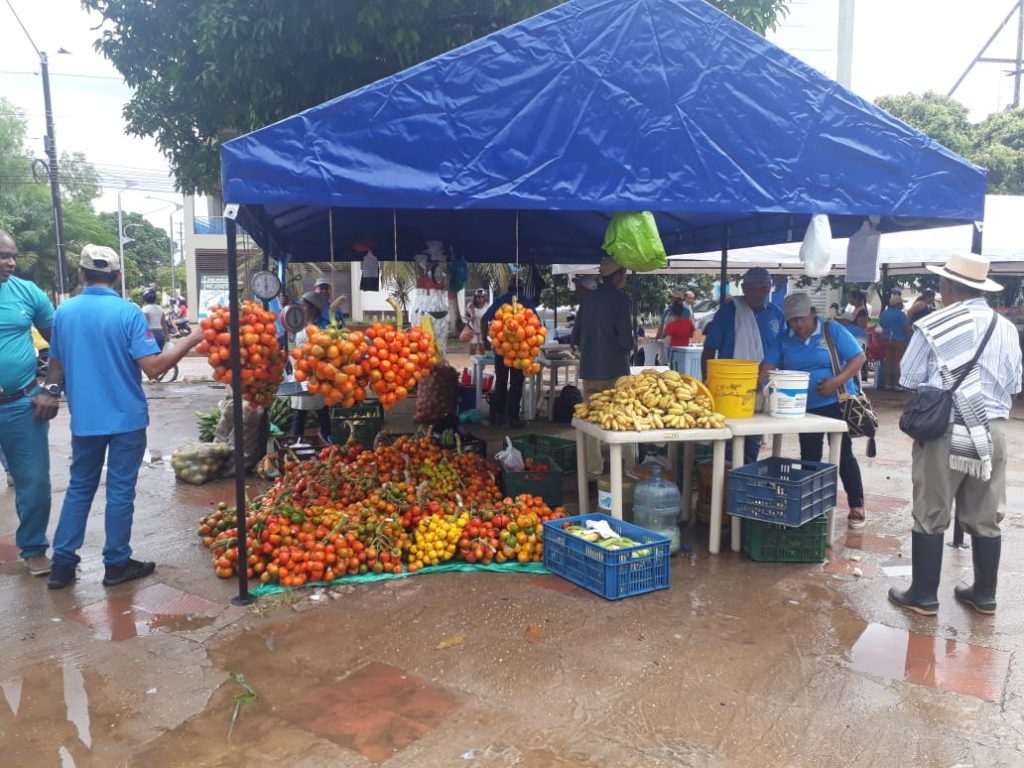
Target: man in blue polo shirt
[(100, 345), (25, 411), (742, 330)]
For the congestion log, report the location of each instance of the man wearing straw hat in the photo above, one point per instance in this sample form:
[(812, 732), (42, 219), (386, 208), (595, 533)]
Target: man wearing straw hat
[(742, 330), (967, 465), (603, 332)]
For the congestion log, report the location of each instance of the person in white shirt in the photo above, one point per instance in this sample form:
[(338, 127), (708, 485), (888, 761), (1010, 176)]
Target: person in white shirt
[(968, 464)]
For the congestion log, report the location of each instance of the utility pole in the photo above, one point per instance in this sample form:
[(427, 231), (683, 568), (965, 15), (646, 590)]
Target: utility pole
[(844, 43), (50, 142), (1018, 8)]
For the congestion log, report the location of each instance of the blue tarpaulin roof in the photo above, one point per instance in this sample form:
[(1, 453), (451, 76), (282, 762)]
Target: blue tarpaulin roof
[(546, 128)]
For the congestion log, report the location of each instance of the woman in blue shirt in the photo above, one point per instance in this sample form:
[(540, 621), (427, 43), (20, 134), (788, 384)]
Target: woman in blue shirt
[(803, 348), (896, 332)]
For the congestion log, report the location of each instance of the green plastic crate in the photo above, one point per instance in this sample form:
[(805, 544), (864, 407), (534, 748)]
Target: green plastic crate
[(362, 422), (562, 451), (546, 483), (771, 543)]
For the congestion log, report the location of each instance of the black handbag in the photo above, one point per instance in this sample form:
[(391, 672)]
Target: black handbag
[(926, 416), (860, 417)]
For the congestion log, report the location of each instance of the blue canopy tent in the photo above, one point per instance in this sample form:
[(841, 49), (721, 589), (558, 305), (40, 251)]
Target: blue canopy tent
[(520, 146), (593, 107)]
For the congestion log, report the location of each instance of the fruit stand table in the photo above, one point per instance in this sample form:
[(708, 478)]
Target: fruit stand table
[(616, 440), (530, 394), (553, 365), (761, 424)]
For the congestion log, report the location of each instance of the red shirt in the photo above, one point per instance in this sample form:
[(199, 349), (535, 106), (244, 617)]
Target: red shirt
[(679, 332)]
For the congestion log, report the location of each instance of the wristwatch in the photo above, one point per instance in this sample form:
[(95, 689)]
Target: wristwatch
[(53, 390)]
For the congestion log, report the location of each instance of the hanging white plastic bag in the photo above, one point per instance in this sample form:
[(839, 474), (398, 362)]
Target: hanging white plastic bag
[(814, 251), (510, 458), (862, 254)]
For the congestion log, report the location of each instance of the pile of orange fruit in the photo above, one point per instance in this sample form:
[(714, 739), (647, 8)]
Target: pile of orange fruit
[(517, 334), (342, 365), (262, 359)]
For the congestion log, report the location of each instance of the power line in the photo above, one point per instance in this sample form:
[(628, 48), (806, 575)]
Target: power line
[(18, 19), (61, 74)]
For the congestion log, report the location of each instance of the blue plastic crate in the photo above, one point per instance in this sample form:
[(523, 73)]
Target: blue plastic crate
[(686, 360), (610, 574), (782, 491)]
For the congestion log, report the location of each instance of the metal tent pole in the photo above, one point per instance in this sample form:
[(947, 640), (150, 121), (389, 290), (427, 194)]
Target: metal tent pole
[(238, 431)]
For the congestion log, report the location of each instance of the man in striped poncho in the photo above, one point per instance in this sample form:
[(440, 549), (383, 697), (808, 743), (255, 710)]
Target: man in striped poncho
[(968, 464)]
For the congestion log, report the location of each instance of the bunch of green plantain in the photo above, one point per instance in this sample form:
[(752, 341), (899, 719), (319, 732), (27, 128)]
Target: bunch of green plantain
[(620, 542), (207, 422), (281, 413), (652, 400)]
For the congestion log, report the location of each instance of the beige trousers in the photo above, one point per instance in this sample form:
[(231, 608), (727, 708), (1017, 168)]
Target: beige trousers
[(980, 504), (595, 462)]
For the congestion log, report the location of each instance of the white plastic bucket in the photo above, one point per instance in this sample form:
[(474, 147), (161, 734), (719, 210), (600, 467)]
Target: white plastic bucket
[(786, 393)]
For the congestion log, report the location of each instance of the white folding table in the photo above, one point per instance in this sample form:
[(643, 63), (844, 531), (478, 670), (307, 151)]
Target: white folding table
[(762, 424), (616, 440)]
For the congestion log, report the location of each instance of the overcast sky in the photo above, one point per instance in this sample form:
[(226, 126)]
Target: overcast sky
[(899, 46)]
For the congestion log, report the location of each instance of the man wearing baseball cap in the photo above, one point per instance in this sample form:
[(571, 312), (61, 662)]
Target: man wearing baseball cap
[(100, 345), (742, 329), (324, 288), (967, 465)]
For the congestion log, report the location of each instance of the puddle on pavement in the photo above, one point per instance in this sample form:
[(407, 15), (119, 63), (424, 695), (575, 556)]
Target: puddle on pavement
[(935, 662), (152, 608), (49, 714)]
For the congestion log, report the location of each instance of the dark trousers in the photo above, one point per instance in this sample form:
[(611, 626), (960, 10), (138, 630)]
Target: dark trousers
[(849, 469), (323, 415), (508, 390)]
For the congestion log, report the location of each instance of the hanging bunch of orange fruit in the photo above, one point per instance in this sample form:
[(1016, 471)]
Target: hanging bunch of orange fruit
[(517, 334), (262, 358), (343, 365)]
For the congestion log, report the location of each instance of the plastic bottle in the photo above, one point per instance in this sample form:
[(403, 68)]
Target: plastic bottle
[(656, 507)]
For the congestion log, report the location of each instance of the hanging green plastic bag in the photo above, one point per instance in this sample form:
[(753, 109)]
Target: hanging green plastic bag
[(632, 239)]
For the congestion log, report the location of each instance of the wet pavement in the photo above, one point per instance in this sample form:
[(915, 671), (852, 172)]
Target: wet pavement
[(737, 664)]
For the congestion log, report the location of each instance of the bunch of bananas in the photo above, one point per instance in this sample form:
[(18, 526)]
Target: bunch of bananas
[(652, 400), (207, 422)]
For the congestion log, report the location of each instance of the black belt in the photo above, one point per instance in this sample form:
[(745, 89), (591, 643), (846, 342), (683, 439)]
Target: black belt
[(17, 395)]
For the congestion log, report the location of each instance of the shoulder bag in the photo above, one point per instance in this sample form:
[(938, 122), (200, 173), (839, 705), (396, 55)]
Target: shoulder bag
[(926, 415), (858, 414)]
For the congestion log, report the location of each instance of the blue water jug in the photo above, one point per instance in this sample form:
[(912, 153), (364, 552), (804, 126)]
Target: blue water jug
[(656, 507)]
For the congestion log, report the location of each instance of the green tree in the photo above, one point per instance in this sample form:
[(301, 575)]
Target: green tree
[(205, 71), (940, 117), (996, 143), (26, 210), (149, 249)]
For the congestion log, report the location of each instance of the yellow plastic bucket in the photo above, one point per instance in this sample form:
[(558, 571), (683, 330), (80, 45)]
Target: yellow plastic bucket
[(733, 384)]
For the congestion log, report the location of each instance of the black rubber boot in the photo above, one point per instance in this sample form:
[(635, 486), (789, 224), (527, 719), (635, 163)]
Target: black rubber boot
[(981, 595), (923, 595)]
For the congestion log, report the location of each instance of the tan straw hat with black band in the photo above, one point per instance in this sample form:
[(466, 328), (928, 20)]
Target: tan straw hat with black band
[(970, 269)]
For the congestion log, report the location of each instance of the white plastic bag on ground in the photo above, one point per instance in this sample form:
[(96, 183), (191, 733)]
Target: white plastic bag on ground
[(814, 251), (510, 458)]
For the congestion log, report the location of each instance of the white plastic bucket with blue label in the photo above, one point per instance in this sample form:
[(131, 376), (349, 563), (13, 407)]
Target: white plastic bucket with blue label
[(786, 393)]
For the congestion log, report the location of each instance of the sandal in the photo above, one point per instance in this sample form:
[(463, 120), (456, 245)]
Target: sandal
[(856, 518)]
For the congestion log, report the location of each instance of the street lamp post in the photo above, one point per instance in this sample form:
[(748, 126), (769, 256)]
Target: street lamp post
[(170, 232), (121, 239)]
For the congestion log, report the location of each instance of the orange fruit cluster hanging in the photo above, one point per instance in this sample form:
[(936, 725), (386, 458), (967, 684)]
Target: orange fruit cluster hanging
[(517, 334), (262, 359), (342, 365)]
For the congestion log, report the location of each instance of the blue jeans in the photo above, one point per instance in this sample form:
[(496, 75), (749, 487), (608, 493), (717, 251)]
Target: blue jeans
[(123, 453), (25, 442)]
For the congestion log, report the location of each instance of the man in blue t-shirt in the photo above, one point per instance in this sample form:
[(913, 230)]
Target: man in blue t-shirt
[(332, 309), (100, 346), (742, 330), (25, 411)]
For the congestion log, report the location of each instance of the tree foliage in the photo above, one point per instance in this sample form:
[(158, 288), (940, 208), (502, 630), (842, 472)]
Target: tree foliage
[(26, 211), (996, 143), (206, 71)]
